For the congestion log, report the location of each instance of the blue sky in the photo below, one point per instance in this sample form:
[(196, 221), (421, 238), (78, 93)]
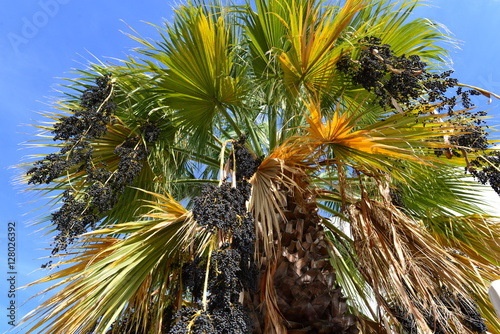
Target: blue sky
[(42, 40)]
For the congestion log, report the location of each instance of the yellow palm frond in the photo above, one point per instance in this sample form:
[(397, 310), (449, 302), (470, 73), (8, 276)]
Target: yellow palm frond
[(314, 52), (344, 140), (125, 277)]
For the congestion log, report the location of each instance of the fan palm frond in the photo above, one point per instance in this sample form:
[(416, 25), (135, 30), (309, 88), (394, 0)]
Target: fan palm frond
[(131, 276)]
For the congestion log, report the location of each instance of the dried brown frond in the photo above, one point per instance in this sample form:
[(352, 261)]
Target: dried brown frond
[(267, 202), (402, 262), (475, 246), (273, 319), (267, 199)]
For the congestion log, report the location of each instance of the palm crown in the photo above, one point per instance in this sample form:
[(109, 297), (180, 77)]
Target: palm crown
[(284, 166)]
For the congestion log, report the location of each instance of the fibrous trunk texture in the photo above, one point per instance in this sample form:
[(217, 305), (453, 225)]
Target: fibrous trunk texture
[(307, 296)]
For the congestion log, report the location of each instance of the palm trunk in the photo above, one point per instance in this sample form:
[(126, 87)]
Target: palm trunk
[(307, 296)]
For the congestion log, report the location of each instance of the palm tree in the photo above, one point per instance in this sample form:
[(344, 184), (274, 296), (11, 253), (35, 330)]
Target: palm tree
[(282, 166)]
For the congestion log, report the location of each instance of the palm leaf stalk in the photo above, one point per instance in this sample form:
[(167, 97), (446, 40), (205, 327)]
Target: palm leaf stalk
[(283, 166)]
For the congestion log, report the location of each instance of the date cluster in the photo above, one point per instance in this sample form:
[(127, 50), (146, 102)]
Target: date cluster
[(222, 209), (82, 208), (401, 79)]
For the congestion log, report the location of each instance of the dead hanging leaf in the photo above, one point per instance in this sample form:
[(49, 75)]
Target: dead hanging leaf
[(384, 187), (397, 105), (398, 258), (486, 93)]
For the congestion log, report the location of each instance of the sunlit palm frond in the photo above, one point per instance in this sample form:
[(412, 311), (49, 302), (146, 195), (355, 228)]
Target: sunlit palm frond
[(391, 21), (133, 276), (349, 277), (452, 195), (265, 30), (314, 52), (375, 147), (200, 81)]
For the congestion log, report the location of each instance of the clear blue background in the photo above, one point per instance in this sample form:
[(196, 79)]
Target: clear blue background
[(41, 41)]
